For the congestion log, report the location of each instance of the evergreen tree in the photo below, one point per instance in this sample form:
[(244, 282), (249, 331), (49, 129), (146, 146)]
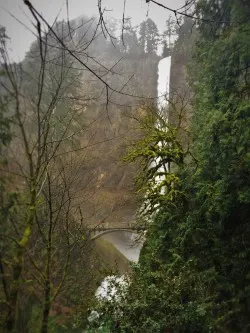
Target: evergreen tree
[(170, 31), (165, 49), (129, 40), (148, 37)]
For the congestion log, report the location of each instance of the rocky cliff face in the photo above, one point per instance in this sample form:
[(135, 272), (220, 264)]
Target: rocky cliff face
[(111, 193), (108, 183), (104, 191)]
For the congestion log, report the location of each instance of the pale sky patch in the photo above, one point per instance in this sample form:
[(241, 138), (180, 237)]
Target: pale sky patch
[(21, 37)]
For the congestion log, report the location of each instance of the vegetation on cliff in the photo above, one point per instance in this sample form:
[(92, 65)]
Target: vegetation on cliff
[(193, 274)]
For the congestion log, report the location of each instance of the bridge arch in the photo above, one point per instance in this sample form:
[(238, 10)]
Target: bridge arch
[(99, 233)]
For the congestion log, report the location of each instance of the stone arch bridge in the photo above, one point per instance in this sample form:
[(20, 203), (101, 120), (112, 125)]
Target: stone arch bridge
[(97, 232)]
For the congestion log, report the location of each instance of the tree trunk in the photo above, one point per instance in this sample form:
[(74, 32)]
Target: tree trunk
[(13, 295), (10, 321), (18, 267), (46, 308)]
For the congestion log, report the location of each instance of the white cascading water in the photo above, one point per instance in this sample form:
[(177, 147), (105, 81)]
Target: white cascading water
[(163, 84), (107, 289), (163, 88), (110, 286)]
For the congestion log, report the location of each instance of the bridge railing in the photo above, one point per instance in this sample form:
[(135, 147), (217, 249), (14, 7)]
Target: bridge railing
[(103, 228), (96, 232)]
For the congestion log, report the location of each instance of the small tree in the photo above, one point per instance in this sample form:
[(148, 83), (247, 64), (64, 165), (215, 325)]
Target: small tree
[(166, 52), (156, 150), (45, 123), (129, 39), (170, 32), (148, 37)]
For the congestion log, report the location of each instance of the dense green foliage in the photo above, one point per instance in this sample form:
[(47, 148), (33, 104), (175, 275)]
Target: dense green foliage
[(194, 271), (157, 148)]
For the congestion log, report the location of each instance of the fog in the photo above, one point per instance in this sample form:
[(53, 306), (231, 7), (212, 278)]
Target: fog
[(127, 243), (19, 22)]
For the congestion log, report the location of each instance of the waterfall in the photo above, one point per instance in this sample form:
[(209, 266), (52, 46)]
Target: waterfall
[(163, 84), (112, 288), (107, 288), (163, 89)]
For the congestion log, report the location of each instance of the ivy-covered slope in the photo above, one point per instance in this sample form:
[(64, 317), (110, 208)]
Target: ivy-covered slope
[(194, 271)]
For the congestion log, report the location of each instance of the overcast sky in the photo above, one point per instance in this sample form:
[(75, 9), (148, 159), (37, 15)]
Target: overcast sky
[(21, 37)]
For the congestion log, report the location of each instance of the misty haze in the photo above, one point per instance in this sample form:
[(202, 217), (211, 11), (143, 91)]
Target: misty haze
[(125, 166)]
